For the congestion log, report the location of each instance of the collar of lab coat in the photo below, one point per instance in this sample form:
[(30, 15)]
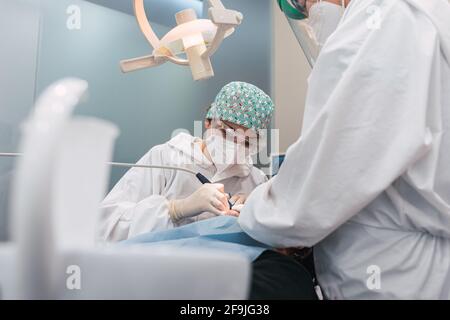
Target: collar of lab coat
[(438, 12), (191, 147)]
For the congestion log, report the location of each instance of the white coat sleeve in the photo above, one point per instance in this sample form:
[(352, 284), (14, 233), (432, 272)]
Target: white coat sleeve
[(136, 204), (370, 130)]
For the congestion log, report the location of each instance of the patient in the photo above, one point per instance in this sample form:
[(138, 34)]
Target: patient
[(276, 274), (147, 200)]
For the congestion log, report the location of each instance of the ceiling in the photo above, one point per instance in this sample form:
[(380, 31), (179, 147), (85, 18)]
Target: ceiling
[(159, 11)]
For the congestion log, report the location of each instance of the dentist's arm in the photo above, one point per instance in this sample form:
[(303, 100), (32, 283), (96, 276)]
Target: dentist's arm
[(136, 204)]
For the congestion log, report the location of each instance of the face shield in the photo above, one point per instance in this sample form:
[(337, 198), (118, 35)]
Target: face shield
[(312, 21)]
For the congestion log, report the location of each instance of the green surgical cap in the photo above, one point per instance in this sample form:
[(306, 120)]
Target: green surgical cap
[(243, 104)]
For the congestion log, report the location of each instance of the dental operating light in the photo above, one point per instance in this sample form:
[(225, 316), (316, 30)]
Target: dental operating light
[(197, 38)]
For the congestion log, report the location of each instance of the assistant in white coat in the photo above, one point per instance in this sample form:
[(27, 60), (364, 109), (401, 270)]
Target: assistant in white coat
[(140, 201), (368, 183), (151, 200)]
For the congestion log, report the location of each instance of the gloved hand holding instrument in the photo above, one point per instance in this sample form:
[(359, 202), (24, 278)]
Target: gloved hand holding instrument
[(208, 198)]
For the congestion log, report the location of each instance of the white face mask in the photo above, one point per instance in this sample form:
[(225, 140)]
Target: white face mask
[(324, 17), (313, 32), (224, 152)]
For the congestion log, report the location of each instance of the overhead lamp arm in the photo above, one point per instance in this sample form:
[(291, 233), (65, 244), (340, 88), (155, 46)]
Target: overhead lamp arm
[(198, 56)]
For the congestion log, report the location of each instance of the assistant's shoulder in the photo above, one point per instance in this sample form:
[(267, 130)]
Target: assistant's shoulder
[(374, 33), (388, 15)]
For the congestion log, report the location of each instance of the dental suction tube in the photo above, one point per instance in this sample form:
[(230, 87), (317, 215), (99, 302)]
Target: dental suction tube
[(199, 176)]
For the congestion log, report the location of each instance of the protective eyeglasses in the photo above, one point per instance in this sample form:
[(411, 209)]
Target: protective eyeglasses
[(237, 134)]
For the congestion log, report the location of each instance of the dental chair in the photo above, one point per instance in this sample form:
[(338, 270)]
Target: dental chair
[(59, 183)]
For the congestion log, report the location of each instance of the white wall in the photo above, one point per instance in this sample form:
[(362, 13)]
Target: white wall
[(147, 105), (289, 80)]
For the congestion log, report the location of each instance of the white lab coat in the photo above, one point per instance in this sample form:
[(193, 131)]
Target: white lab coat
[(368, 183), (139, 202)]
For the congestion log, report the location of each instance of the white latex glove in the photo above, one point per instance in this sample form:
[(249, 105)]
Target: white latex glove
[(238, 200), (238, 207), (209, 198)]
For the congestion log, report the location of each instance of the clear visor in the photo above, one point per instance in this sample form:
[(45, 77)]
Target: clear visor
[(312, 25), (296, 12), (306, 38)]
